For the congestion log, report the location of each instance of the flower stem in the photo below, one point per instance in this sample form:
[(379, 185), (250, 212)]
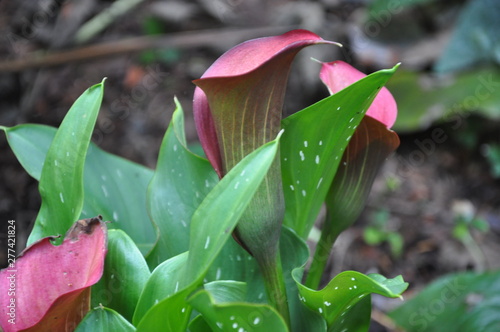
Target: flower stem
[(328, 237), (272, 273)]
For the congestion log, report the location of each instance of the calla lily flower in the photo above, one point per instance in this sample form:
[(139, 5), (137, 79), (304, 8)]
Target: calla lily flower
[(48, 287), (237, 108), (371, 144)]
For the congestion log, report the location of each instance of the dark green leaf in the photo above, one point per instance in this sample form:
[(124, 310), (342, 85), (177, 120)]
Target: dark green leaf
[(461, 302), (125, 275), (104, 319), (238, 316), (345, 290), (113, 187), (61, 179), (181, 181), (475, 39), (313, 144)]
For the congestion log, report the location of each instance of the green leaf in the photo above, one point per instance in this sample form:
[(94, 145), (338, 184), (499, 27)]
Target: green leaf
[(163, 282), (218, 214), (356, 319), (313, 144), (226, 290), (61, 180), (458, 302), (198, 324), (238, 316), (345, 290), (211, 227), (113, 187), (104, 319), (475, 38), (180, 183), (125, 275)]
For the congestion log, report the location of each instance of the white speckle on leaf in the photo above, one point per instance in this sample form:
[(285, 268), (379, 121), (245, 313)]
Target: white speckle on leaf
[(320, 310), (336, 157), (304, 193), (348, 138), (232, 318), (285, 159), (235, 325), (197, 194), (338, 108), (292, 187), (183, 310), (218, 273), (115, 216), (55, 163), (317, 159), (241, 329), (302, 157), (67, 154), (183, 222), (237, 185), (207, 242), (104, 191), (219, 324), (327, 303), (103, 177), (320, 143), (156, 301), (207, 184), (352, 119), (256, 321), (238, 258), (72, 133), (176, 287), (119, 173), (337, 287), (350, 288), (243, 172), (61, 197), (298, 182), (354, 286), (175, 147), (305, 144), (353, 279), (319, 183)]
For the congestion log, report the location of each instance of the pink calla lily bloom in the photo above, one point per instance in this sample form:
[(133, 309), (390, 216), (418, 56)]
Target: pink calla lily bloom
[(367, 150), (48, 287), (237, 108)]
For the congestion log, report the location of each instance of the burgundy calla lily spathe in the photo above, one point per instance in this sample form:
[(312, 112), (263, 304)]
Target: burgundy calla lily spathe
[(237, 108), (48, 287)]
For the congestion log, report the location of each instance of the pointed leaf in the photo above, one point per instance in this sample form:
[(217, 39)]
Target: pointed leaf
[(314, 143), (345, 290), (163, 283), (237, 315), (48, 282), (457, 302), (113, 187), (220, 211), (125, 275), (104, 319), (338, 75), (61, 180), (171, 203), (211, 227)]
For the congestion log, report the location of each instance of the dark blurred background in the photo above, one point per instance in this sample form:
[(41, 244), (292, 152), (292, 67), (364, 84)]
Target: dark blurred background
[(441, 184)]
